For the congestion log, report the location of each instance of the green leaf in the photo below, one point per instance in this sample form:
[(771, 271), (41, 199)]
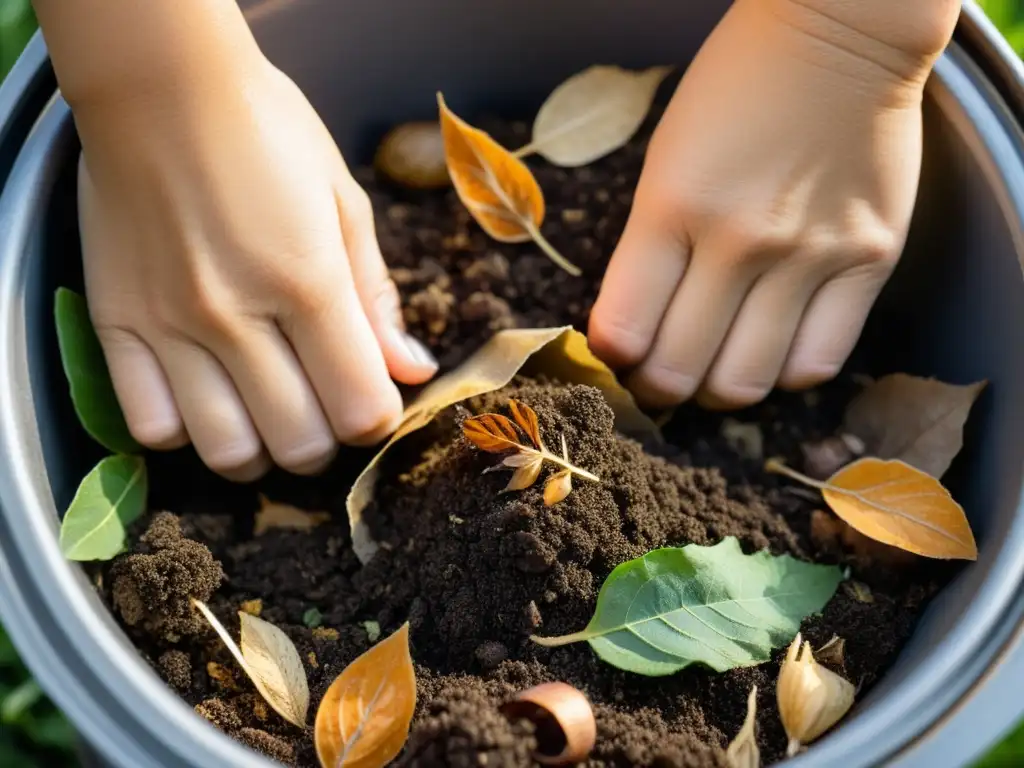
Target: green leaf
[(19, 701), (711, 605), (88, 377), (312, 618), (110, 497)]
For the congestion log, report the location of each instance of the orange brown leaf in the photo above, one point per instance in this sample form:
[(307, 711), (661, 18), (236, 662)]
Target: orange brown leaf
[(492, 432), (896, 504), (498, 189), (526, 418), (364, 718)]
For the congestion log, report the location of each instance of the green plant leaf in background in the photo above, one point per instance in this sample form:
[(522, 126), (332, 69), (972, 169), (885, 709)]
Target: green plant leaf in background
[(17, 23), (111, 496), (711, 605), (86, 369)]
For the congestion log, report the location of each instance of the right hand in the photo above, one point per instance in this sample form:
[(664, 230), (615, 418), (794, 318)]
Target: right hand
[(234, 278)]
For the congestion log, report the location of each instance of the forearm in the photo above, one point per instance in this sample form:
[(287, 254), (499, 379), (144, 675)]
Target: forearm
[(107, 51)]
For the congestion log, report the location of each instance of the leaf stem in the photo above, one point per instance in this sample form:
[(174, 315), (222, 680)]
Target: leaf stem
[(550, 251), (525, 151), (547, 455), (777, 467), (554, 642)]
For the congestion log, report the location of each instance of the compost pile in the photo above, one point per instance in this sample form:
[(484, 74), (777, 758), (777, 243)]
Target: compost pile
[(475, 571)]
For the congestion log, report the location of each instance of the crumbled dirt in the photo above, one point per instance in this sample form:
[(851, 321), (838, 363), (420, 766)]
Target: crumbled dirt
[(475, 571)]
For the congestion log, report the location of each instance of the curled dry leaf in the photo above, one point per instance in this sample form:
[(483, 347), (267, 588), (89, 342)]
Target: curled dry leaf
[(833, 652), (811, 698), (271, 661), (364, 718), (593, 113), (896, 504), (566, 728), (497, 187), (273, 514), (495, 433), (919, 421), (742, 751), (412, 154), (561, 353)]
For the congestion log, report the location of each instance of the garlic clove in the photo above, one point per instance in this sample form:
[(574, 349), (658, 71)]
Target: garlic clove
[(811, 698)]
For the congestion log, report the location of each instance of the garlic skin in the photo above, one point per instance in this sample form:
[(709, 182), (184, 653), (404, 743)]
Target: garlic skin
[(811, 698)]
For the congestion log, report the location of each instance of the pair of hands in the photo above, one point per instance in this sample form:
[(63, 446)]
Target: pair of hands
[(238, 290)]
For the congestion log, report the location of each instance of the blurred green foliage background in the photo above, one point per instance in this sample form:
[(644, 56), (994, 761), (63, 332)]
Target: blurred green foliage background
[(32, 733)]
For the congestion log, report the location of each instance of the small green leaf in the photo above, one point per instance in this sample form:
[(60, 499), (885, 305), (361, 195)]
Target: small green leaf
[(372, 630), (88, 377), (711, 605), (110, 497), (19, 701), (312, 618)]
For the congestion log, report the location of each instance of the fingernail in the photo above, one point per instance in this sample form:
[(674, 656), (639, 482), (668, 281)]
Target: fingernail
[(418, 352)]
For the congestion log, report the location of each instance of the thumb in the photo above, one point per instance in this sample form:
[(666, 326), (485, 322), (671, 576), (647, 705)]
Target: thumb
[(408, 360)]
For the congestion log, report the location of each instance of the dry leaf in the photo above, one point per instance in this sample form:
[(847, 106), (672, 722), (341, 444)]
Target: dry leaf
[(270, 659), (561, 353), (495, 433), (833, 652), (272, 514), (920, 421), (831, 534), (413, 154), (896, 504), (557, 487), (593, 113), (497, 187), (859, 591), (811, 698), (565, 725), (364, 718), (743, 751), (255, 607)]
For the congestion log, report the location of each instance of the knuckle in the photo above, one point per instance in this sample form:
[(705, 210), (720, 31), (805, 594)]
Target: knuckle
[(663, 385), (731, 392), (233, 458), (370, 423), (308, 455), (614, 337), (306, 297), (806, 373), (158, 434)]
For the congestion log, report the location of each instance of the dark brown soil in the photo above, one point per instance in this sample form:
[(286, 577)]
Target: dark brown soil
[(475, 572)]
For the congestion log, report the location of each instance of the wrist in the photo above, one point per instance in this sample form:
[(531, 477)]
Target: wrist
[(110, 55), (900, 37)]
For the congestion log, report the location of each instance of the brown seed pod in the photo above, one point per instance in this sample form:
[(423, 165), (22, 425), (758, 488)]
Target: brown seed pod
[(566, 729), (412, 154)]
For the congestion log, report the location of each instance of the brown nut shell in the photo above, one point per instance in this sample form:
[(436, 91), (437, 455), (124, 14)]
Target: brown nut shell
[(412, 154), (566, 728)]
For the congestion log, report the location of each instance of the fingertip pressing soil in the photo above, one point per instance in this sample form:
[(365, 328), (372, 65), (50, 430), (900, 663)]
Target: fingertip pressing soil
[(476, 571)]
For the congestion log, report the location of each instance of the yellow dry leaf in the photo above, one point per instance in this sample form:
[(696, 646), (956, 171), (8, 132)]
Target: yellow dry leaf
[(561, 353), (364, 718), (254, 607), (495, 186), (593, 113), (896, 504), (272, 514), (743, 751), (271, 661)]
